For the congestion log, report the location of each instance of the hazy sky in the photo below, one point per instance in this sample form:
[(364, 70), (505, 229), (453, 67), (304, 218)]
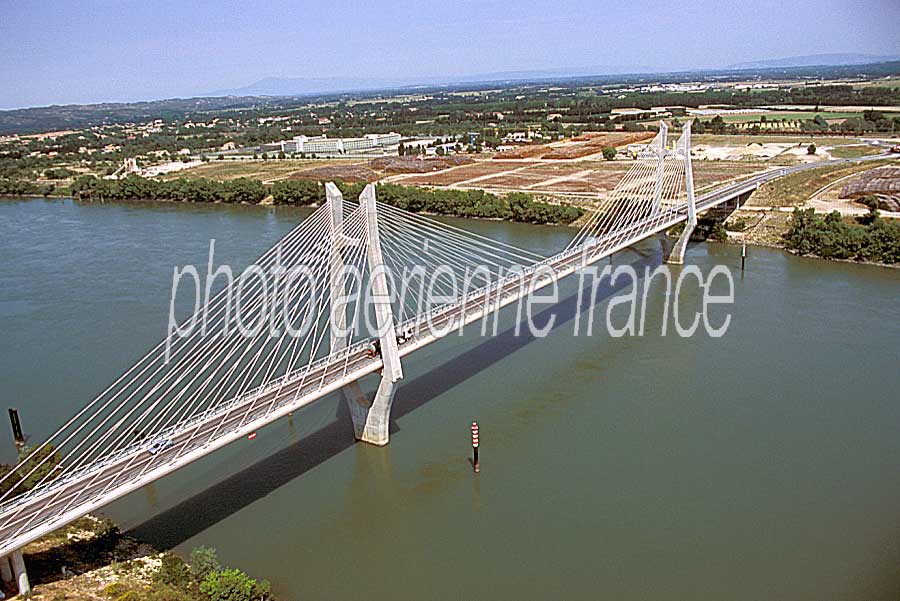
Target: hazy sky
[(89, 51)]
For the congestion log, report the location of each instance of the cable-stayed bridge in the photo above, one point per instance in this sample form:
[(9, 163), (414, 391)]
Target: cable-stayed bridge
[(349, 292)]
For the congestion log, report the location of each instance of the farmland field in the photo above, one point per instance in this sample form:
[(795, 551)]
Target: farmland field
[(797, 188), (728, 140), (789, 115), (263, 170)]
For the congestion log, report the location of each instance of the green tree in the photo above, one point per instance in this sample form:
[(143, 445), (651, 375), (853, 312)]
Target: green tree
[(234, 585), (174, 572), (718, 232), (831, 238), (204, 561), (244, 190), (609, 153), (43, 463), (717, 125), (297, 192), (811, 149)]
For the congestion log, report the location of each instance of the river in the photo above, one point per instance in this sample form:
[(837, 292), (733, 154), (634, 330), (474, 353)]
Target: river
[(761, 465)]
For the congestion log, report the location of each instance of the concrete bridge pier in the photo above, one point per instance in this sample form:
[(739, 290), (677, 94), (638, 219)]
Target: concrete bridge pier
[(12, 569), (18, 566), (676, 255), (5, 570), (371, 419)]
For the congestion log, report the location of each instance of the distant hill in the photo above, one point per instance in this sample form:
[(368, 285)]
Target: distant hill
[(302, 86), (305, 86), (814, 60), (276, 94)]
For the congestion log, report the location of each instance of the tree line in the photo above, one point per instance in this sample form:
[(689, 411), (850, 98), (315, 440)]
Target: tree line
[(515, 206), (871, 238), (21, 187)]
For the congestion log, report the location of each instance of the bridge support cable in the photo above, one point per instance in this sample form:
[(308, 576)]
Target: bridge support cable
[(105, 405), (612, 208), (243, 371), (148, 465), (175, 396), (658, 189), (182, 400), (433, 263)]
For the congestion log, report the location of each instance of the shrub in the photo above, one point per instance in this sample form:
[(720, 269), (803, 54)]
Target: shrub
[(460, 203), (234, 585), (174, 572), (870, 201), (298, 192), (167, 593), (204, 561), (719, 232), (115, 590)]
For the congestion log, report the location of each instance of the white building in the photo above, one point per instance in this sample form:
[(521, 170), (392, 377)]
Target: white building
[(325, 145)]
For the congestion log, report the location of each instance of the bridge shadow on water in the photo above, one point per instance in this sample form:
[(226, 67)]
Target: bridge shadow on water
[(203, 510)]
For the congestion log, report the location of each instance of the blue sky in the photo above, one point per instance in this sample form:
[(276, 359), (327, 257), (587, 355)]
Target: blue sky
[(92, 51)]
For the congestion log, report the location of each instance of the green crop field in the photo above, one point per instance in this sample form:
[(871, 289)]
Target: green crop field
[(255, 169), (743, 140), (789, 115)]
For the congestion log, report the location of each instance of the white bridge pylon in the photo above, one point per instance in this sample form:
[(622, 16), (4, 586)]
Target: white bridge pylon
[(659, 182), (371, 419), (209, 386)]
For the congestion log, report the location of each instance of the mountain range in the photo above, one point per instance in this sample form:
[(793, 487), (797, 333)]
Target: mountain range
[(297, 86), (815, 60), (301, 86)]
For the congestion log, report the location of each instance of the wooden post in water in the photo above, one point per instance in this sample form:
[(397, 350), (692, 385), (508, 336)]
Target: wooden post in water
[(743, 255), (18, 436)]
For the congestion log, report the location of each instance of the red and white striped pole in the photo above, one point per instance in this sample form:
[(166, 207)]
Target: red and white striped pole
[(475, 447)]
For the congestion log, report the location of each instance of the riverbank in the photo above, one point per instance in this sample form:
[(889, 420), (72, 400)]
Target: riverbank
[(516, 206), (865, 240), (91, 560), (780, 215), (760, 224)]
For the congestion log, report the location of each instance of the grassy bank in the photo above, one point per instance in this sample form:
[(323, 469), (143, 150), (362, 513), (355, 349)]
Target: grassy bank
[(91, 560), (797, 188)]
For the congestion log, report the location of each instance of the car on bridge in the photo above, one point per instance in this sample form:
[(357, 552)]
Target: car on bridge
[(159, 445)]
